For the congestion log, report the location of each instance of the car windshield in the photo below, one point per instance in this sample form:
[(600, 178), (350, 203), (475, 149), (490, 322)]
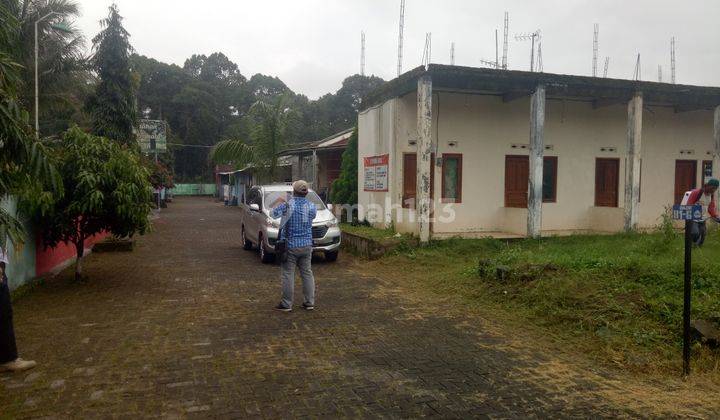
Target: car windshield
[(275, 198)]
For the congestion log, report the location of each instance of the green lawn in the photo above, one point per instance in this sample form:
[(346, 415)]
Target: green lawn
[(617, 298)]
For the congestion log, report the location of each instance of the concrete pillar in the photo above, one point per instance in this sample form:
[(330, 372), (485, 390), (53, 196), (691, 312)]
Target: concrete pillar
[(716, 144), (315, 164), (424, 150), (632, 161), (537, 150)]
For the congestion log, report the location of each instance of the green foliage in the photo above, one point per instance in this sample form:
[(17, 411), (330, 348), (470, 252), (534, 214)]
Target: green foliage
[(209, 100), (345, 188), (112, 107), (106, 189), (22, 159), (64, 79), (271, 124)]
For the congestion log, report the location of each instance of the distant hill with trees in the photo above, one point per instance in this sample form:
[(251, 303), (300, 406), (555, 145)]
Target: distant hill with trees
[(208, 100)]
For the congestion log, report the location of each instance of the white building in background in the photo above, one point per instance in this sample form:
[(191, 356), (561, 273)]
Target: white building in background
[(518, 153)]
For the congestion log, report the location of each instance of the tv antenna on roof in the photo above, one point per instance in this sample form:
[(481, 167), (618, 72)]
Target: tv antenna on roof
[(607, 63), (539, 66), (659, 73), (638, 71), (427, 53), (672, 60), (400, 37), (505, 41), (530, 37), (362, 53), (452, 53), (596, 31), (488, 63)]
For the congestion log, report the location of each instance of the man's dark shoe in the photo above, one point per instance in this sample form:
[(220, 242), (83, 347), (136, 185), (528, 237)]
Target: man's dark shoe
[(282, 308), (308, 306)]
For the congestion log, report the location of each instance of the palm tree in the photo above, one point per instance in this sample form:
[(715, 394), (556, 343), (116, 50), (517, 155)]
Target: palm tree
[(63, 71), (271, 125), (22, 159)]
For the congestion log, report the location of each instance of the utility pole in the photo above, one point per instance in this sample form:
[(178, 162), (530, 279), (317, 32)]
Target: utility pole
[(362, 53), (505, 41), (400, 37), (596, 32)]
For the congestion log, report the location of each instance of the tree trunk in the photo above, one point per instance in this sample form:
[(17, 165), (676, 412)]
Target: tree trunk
[(80, 249)]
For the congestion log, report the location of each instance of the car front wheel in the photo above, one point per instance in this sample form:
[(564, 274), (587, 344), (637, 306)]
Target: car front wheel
[(265, 257), (247, 245)]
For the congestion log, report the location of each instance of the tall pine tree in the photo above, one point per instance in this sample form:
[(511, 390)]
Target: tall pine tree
[(112, 107)]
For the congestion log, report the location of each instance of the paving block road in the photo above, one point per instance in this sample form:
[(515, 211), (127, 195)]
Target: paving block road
[(183, 326)]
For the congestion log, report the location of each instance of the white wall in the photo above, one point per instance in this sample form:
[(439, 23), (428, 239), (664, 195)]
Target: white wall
[(485, 128)]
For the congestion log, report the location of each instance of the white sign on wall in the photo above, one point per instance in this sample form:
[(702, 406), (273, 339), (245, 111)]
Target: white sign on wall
[(376, 173)]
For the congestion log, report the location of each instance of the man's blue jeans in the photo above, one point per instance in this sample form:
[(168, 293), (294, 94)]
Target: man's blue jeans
[(300, 257)]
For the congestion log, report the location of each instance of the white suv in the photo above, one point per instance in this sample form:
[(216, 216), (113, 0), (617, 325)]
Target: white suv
[(260, 229)]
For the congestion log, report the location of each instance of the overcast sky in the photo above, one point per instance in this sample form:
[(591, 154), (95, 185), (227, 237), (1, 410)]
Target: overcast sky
[(312, 45)]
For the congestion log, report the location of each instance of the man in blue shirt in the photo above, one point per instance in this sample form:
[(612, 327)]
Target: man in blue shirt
[(296, 224)]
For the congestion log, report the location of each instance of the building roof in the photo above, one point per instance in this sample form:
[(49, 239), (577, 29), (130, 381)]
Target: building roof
[(513, 84), (335, 141)]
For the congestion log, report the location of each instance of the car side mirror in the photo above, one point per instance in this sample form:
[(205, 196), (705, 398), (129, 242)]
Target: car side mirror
[(254, 207), (330, 206)]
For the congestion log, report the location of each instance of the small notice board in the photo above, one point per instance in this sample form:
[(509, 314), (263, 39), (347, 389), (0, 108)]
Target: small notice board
[(691, 212), (376, 173)]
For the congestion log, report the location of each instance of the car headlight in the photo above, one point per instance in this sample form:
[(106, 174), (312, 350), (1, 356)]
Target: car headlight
[(331, 224)]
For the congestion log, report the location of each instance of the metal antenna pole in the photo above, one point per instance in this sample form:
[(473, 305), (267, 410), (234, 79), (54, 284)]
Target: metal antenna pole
[(539, 57), (400, 37), (497, 61), (362, 53), (672, 60), (607, 63), (427, 53), (596, 31), (505, 41), (659, 73), (638, 73), (531, 37), (452, 53)]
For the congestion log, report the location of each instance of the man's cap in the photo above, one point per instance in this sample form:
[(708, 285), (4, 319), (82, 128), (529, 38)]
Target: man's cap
[(713, 182), (300, 187)]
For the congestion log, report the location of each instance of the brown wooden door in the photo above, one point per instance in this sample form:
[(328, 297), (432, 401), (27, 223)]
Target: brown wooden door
[(410, 179), (685, 178), (607, 182), (517, 171)]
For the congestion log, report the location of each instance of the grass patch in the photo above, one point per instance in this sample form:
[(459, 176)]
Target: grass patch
[(369, 231), (617, 298)]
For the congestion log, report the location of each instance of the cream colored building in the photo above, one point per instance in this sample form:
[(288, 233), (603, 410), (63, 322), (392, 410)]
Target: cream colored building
[(518, 153)]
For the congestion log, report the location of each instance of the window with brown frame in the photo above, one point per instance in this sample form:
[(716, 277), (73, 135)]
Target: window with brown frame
[(451, 178), (517, 172), (410, 179)]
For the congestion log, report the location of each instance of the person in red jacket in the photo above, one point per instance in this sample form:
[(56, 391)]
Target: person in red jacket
[(704, 196)]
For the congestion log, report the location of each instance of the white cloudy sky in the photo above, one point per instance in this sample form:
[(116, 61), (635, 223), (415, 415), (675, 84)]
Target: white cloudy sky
[(313, 45)]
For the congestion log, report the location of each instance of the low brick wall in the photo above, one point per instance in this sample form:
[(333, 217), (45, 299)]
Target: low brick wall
[(369, 248)]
